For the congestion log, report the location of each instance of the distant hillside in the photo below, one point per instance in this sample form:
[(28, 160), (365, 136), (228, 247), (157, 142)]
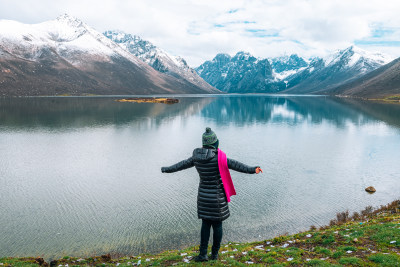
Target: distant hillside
[(158, 59), (66, 56), (242, 73), (322, 75), (380, 83), (292, 74)]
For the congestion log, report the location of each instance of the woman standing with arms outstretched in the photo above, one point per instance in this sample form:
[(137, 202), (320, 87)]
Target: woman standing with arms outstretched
[(215, 188)]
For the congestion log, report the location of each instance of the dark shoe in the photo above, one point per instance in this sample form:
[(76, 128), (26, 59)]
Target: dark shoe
[(200, 258), (214, 257)]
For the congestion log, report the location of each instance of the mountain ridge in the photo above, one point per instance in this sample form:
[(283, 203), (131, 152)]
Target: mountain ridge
[(157, 58), (291, 73), (67, 56), (380, 83)]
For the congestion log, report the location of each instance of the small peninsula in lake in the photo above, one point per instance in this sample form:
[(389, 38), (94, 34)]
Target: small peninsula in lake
[(150, 100)]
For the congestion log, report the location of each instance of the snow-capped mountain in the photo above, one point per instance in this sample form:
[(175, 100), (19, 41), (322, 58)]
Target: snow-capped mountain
[(66, 56), (336, 69), (240, 74), (289, 74), (157, 58), (380, 83), (285, 66)]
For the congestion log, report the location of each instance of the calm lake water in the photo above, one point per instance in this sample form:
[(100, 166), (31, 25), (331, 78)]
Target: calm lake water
[(81, 176)]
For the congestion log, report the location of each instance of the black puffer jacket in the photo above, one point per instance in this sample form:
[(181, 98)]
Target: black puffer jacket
[(211, 199)]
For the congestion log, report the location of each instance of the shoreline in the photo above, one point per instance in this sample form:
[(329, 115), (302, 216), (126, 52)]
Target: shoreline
[(367, 238), (395, 99)]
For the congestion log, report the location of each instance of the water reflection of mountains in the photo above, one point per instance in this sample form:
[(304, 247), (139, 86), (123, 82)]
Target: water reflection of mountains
[(239, 110), (77, 112), (299, 109)]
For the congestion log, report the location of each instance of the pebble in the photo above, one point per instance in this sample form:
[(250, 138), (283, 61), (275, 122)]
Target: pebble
[(290, 241), (268, 243), (289, 259), (272, 246), (259, 247), (285, 245), (309, 235), (349, 251), (186, 260), (183, 254), (248, 262)]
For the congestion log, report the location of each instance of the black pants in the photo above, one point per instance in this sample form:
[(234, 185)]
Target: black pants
[(205, 236)]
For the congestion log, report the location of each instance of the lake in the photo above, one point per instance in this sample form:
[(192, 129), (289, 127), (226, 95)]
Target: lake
[(80, 176)]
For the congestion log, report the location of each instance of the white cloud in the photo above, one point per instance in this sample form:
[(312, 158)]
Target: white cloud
[(198, 30)]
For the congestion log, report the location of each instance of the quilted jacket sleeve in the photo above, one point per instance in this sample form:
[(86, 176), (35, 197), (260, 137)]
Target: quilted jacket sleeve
[(184, 164), (240, 167)]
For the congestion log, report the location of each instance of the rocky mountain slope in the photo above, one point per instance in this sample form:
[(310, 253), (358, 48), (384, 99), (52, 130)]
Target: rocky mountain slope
[(66, 56), (289, 74), (380, 83), (157, 58), (322, 75), (242, 73)]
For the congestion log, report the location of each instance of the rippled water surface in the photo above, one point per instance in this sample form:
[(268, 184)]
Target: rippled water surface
[(81, 176)]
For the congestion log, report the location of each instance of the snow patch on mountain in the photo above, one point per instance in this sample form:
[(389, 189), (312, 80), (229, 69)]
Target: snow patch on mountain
[(354, 55), (156, 57), (67, 36), (279, 76)]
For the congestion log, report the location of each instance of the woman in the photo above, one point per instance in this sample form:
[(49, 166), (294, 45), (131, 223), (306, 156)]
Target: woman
[(212, 200)]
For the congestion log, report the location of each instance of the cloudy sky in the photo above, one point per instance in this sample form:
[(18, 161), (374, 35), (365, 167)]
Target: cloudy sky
[(199, 29)]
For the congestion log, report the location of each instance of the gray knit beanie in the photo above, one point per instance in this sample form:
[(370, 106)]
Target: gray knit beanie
[(209, 137)]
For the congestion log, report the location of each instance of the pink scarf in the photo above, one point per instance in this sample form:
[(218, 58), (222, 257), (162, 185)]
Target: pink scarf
[(225, 175)]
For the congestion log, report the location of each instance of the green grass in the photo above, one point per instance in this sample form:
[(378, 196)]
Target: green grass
[(323, 251), (350, 261), (385, 260), (318, 262), (364, 242)]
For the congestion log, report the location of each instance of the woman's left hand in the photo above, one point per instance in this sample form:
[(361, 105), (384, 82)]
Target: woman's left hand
[(258, 170)]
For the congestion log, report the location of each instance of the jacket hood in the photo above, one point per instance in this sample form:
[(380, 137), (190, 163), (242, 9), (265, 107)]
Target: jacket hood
[(204, 154)]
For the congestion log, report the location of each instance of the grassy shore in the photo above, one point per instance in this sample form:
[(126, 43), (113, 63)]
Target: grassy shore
[(368, 238), (389, 99)]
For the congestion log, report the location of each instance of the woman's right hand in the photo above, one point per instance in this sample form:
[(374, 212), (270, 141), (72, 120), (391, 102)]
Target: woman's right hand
[(258, 170)]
